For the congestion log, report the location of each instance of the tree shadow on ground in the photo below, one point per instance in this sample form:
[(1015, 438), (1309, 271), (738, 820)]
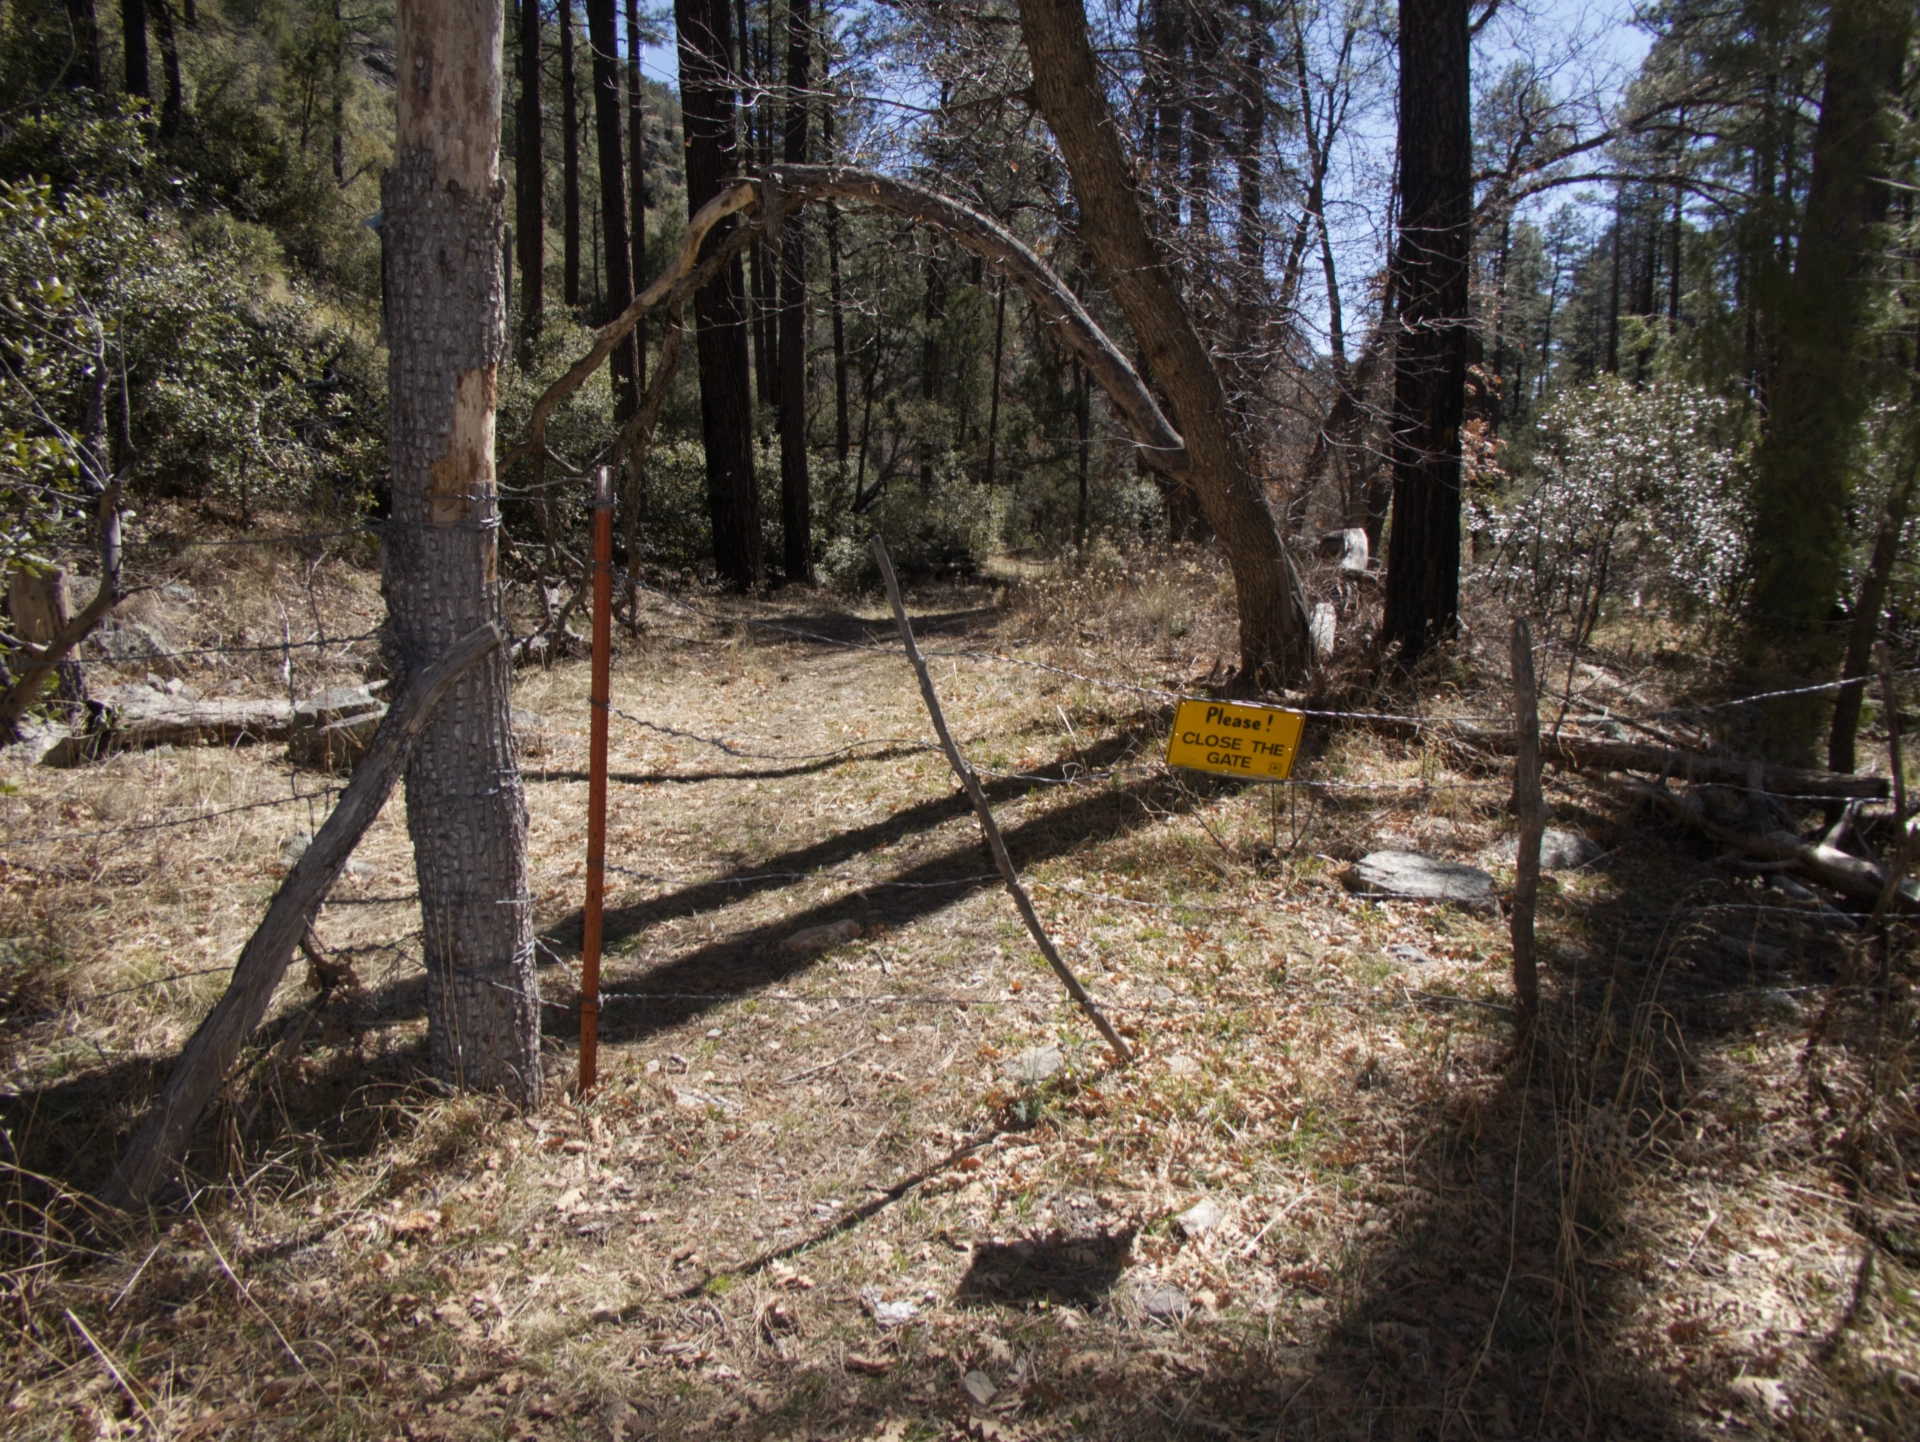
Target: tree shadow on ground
[(1514, 1285), (71, 1130)]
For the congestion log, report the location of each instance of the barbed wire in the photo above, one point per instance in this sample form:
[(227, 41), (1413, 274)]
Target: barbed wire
[(58, 836), (318, 643)]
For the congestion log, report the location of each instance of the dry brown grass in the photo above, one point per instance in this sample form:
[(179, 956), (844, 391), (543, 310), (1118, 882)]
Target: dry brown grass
[(1673, 1216)]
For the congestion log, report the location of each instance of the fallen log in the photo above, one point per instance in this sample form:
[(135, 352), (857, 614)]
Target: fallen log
[(1851, 875), (1591, 753)]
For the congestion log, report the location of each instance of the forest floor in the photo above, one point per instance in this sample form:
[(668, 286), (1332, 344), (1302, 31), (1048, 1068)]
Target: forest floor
[(883, 1181)]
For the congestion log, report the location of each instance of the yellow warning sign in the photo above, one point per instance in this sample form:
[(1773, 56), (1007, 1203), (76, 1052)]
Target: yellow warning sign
[(1236, 740)]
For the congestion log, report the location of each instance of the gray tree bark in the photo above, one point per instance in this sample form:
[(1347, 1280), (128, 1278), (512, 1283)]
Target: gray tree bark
[(446, 217)]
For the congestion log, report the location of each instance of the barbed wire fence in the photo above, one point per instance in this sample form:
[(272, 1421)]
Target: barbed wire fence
[(316, 799)]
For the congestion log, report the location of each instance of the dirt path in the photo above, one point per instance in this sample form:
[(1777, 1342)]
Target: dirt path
[(883, 1183)]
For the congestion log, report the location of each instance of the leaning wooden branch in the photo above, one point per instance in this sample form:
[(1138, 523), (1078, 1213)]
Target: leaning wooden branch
[(1853, 875), (988, 826), (210, 1054), (686, 266)]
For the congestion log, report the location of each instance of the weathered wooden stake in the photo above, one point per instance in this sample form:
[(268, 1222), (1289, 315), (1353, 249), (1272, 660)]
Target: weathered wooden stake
[(987, 825), (210, 1053), (599, 697), (1527, 806)]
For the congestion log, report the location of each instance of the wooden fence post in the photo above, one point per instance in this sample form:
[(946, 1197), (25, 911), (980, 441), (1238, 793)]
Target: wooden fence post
[(987, 825), (1532, 816), (600, 696)]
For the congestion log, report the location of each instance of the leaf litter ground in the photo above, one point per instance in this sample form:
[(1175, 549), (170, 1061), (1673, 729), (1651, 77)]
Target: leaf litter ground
[(857, 1170)]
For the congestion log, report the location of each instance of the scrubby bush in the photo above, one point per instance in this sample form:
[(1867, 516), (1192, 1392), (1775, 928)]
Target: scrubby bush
[(1632, 491), (209, 377)]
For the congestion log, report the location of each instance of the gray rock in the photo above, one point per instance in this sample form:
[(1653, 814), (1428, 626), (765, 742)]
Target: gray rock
[(1163, 994), (979, 1388), (1200, 1218), (38, 742), (1164, 1302), (126, 642), (1035, 1065), (821, 938), (1559, 850), (1409, 876), (179, 591)]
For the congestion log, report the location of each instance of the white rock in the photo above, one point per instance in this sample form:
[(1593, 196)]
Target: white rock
[(1200, 1218), (979, 1387), (889, 1314), (1035, 1065)]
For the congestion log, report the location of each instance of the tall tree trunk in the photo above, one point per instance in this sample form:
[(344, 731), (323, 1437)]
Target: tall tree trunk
[(933, 310), (1273, 623), (1248, 230), (1083, 431), (841, 436), (602, 34), (1166, 67), (633, 474), (637, 174), (1430, 367), (726, 404), (760, 295), (133, 47), (530, 185), (173, 102), (1613, 290), (1673, 264), (445, 222), (796, 489), (1804, 468), (569, 162), (1206, 131), (84, 72), (840, 367), (993, 402)]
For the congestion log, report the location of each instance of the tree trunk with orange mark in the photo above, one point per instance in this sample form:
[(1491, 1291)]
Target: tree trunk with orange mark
[(445, 228)]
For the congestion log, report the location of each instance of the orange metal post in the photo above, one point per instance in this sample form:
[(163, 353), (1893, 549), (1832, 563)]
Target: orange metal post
[(599, 697)]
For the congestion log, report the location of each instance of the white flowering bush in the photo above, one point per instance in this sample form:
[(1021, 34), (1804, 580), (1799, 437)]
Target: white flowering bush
[(1634, 491)]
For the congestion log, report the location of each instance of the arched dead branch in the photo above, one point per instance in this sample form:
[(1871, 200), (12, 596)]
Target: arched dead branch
[(788, 188)]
